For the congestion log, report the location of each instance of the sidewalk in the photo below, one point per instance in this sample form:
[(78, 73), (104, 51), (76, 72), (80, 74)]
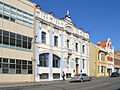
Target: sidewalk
[(42, 83)]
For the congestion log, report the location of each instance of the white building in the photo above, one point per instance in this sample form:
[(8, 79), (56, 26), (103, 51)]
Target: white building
[(60, 46)]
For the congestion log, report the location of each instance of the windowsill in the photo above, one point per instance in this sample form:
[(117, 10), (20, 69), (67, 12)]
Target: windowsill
[(13, 47)]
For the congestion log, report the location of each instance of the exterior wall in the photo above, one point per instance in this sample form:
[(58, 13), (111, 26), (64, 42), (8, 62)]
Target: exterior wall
[(117, 61), (12, 52), (110, 50), (67, 55), (96, 63), (93, 60)]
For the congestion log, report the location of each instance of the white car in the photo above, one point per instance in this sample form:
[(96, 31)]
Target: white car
[(80, 77)]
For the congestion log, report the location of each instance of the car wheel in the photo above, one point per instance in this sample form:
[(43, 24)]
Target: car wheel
[(81, 80)]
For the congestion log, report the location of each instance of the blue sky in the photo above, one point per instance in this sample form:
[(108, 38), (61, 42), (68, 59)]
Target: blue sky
[(101, 18)]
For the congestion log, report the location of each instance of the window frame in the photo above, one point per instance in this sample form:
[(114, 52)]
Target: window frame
[(43, 37)]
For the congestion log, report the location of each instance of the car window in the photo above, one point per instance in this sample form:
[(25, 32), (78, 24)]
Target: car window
[(84, 74)]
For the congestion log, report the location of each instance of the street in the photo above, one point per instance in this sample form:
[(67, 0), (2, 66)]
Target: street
[(96, 84)]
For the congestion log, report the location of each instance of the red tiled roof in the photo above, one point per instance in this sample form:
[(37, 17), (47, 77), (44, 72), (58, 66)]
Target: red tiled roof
[(102, 43)]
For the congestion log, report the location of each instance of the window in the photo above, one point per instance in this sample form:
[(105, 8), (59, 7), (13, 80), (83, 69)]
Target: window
[(6, 11), (12, 60), (24, 64), (67, 43), (5, 60), (56, 61), (30, 62), (99, 56), (83, 49), (18, 66), (5, 37), (102, 69), (44, 76), (1, 13), (15, 15), (83, 63), (12, 39), (5, 66), (0, 62), (55, 41), (0, 59), (18, 43), (29, 67), (29, 43), (68, 75), (24, 43), (13, 66), (29, 71), (43, 60), (5, 16), (103, 56), (76, 47), (0, 36), (56, 75), (43, 37)]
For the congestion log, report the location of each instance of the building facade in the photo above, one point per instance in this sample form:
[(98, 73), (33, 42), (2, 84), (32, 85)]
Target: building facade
[(60, 46), (117, 61), (98, 61), (16, 36), (110, 56)]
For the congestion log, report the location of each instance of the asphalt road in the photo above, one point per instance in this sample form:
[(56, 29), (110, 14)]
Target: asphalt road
[(97, 84)]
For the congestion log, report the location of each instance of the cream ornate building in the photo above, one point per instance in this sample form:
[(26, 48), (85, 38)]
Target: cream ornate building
[(101, 59), (60, 46)]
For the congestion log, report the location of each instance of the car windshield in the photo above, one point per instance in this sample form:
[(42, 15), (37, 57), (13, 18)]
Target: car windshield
[(77, 74)]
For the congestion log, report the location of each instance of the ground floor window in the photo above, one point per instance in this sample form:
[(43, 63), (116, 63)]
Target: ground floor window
[(68, 75), (102, 69), (44, 60), (15, 66), (44, 76), (56, 61), (56, 75)]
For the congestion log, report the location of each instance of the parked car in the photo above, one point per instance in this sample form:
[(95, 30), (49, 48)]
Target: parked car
[(80, 77), (115, 74)]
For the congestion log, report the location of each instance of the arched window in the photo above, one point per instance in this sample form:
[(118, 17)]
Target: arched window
[(44, 59), (83, 49), (56, 61), (68, 28), (43, 37)]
